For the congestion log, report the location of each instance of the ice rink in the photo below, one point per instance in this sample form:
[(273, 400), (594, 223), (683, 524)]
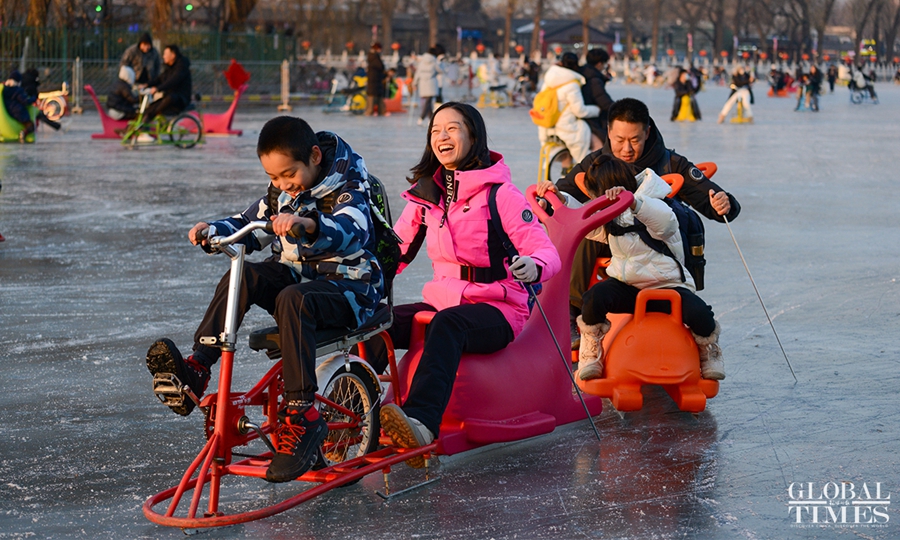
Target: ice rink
[(96, 266)]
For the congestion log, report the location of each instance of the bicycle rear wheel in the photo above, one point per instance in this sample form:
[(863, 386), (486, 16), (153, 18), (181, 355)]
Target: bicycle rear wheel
[(559, 164), (185, 131), (354, 391)]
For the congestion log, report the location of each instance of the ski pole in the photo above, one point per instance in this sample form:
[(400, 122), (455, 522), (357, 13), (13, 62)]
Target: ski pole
[(747, 268), (561, 355)]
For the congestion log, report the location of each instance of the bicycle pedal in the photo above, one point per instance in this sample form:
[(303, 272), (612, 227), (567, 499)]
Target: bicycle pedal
[(170, 390)]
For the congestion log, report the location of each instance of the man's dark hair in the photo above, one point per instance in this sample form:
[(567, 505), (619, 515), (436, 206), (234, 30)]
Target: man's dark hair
[(174, 48), (629, 110), (606, 172), (597, 56), (145, 38), (479, 157), (288, 135)]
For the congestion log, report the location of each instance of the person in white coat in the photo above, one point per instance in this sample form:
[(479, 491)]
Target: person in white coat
[(570, 128), (635, 265), (425, 81)]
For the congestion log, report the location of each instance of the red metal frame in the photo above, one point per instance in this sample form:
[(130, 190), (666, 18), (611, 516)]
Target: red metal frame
[(519, 392)]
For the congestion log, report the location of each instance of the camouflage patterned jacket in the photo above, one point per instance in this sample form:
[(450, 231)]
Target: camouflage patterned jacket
[(343, 246)]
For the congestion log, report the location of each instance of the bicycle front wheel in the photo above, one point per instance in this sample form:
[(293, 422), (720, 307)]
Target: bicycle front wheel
[(185, 131)]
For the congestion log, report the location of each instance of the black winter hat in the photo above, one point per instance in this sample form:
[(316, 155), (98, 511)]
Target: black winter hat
[(15, 75)]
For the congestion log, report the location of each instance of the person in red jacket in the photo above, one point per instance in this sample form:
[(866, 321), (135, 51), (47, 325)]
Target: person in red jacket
[(481, 303)]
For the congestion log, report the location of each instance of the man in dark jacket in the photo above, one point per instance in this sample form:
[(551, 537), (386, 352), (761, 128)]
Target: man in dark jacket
[(17, 103), (143, 59), (594, 93), (374, 81), (634, 138), (174, 83)]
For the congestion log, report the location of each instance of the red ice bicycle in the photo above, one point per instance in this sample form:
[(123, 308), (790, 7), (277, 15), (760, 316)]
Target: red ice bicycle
[(521, 391)]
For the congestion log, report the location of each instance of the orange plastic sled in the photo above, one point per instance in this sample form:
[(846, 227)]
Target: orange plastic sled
[(651, 348)]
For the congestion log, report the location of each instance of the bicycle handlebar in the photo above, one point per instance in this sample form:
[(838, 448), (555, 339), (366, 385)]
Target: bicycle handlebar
[(217, 242)]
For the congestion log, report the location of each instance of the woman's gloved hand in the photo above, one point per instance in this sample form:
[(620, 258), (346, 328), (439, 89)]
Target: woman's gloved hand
[(524, 269)]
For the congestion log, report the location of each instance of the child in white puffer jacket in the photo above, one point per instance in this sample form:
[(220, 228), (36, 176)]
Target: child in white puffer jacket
[(635, 265)]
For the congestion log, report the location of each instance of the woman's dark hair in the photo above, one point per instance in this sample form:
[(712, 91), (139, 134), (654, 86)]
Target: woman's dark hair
[(287, 135), (479, 157), (606, 172), (569, 60)]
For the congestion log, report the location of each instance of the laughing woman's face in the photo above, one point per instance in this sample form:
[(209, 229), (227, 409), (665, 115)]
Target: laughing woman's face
[(450, 139)]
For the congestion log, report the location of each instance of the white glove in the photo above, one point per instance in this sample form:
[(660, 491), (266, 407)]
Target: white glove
[(524, 269)]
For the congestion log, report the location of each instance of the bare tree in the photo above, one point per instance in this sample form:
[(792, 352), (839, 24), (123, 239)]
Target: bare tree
[(821, 15), (860, 12), (236, 11), (161, 15), (433, 22), (654, 39), (37, 13), (388, 8), (536, 31), (892, 18), (507, 24)]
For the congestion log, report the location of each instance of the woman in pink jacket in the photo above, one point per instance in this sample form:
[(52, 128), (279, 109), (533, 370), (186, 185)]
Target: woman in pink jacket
[(481, 303)]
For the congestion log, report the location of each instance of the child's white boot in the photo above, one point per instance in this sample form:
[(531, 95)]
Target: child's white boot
[(712, 365), (590, 351)]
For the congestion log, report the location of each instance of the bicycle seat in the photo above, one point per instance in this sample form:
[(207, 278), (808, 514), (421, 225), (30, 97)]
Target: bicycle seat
[(327, 339), (498, 87)]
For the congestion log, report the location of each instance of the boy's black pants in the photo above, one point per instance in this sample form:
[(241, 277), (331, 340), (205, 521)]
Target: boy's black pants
[(469, 328), (613, 296), (298, 308)]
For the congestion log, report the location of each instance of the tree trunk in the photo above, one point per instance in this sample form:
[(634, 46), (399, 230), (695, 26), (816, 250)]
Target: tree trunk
[(432, 22), (37, 13), (586, 25), (719, 24), (654, 34), (507, 24), (161, 16), (890, 34), (387, 29), (823, 17), (626, 20), (536, 31), (860, 25)]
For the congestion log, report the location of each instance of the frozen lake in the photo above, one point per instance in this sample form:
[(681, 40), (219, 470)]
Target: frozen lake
[(96, 266)]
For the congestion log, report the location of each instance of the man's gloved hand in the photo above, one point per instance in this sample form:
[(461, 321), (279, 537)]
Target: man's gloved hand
[(524, 269)]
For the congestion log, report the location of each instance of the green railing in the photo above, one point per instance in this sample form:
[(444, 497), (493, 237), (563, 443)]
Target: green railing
[(53, 52), (109, 44)]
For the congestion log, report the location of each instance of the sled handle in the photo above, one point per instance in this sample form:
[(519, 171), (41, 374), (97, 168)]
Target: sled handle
[(592, 215), (675, 181), (708, 168), (668, 295)]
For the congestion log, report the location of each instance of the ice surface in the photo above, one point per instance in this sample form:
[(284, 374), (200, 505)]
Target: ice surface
[(96, 266)]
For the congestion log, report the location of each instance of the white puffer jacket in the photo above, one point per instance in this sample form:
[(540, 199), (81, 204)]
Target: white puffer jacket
[(573, 131), (633, 261)]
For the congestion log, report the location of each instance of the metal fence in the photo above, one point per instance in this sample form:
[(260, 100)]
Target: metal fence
[(108, 44), (207, 77)]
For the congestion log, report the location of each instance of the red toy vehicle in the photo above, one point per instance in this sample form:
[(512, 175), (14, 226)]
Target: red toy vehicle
[(518, 392)]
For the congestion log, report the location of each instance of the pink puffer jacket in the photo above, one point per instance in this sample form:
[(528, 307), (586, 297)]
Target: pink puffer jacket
[(462, 239)]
